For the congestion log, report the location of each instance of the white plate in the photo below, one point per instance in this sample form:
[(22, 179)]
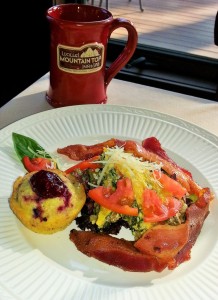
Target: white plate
[(34, 266)]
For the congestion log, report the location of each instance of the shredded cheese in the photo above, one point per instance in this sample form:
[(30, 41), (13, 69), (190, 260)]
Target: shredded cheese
[(117, 157)]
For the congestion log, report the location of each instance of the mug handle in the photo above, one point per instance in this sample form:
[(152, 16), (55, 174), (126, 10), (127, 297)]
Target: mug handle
[(127, 52)]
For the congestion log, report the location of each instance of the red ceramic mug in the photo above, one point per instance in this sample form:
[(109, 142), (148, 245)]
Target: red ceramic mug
[(79, 38)]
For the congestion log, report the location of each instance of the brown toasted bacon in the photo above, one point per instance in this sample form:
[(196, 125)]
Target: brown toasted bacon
[(173, 244), (154, 153), (163, 245), (160, 247), (164, 241), (185, 180), (113, 251), (195, 219), (82, 152), (153, 145)]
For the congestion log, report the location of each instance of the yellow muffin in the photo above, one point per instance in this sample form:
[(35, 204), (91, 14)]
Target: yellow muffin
[(47, 201)]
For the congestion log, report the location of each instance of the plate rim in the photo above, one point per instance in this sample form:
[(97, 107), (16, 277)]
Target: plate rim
[(197, 130), (108, 107)]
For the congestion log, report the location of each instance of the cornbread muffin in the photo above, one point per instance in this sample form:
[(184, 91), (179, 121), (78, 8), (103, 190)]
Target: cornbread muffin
[(47, 201)]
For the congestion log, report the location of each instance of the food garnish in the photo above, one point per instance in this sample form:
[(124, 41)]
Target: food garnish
[(32, 155)]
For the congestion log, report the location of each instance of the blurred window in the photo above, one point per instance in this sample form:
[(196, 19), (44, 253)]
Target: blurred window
[(176, 44)]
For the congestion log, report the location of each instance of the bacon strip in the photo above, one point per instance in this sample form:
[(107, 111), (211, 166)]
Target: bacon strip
[(153, 145), (185, 180), (160, 247), (113, 251), (154, 153), (83, 152), (195, 219), (164, 241), (172, 244)]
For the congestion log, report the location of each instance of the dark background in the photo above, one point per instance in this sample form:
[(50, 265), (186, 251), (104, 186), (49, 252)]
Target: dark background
[(24, 45), (25, 38)]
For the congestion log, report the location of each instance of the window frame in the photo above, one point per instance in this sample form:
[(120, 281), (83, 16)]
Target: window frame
[(170, 70)]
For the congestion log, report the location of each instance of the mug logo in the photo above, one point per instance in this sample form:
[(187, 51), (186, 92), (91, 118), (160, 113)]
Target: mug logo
[(86, 59)]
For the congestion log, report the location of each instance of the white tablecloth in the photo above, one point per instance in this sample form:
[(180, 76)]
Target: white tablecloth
[(198, 111), (201, 112)]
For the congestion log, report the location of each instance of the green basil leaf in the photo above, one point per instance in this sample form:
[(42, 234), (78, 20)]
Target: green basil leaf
[(25, 146)]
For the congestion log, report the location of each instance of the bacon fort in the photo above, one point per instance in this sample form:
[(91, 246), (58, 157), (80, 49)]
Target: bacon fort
[(137, 186)]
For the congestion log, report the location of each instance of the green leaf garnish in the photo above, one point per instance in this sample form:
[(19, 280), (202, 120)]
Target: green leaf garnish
[(25, 146)]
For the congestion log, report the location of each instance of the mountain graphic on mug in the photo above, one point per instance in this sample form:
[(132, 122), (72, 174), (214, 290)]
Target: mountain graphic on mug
[(90, 53)]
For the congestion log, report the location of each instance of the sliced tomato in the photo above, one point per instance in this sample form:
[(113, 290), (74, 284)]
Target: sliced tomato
[(119, 201), (173, 206), (38, 163), (85, 164), (155, 210), (170, 185)]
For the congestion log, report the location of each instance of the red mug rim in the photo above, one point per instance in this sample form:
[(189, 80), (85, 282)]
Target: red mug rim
[(57, 12)]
